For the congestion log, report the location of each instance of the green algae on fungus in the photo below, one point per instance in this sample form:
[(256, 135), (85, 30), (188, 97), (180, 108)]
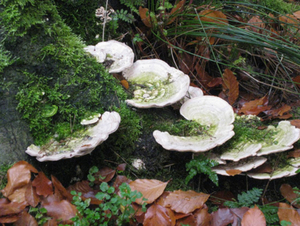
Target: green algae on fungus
[(215, 114), (81, 143), (156, 84)]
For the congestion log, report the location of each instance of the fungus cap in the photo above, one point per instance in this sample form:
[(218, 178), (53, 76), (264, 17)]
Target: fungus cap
[(99, 54), (90, 120), (156, 83), (244, 165), (192, 93), (210, 111), (120, 53), (81, 144), (284, 138)]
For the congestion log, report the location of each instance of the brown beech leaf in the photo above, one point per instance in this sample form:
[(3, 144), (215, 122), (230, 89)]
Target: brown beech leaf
[(253, 217), (18, 195), (80, 186), (51, 222), (288, 19), (9, 219), (43, 185), (18, 176), (222, 217), (219, 197), (255, 107), (62, 210), (26, 219), (288, 193), (256, 24), (264, 168), (176, 9), (151, 189), (281, 113), (157, 215), (213, 16), (230, 86), (296, 80), (233, 172), (60, 190), (239, 212), (288, 213), (144, 17), (9, 208), (296, 122), (139, 214), (294, 154), (121, 167), (120, 179), (105, 175), (200, 217), (297, 14), (185, 201), (31, 196)]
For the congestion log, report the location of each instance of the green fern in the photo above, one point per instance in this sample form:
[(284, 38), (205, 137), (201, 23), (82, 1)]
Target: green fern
[(125, 16), (245, 199), (270, 213), (133, 4), (201, 164)]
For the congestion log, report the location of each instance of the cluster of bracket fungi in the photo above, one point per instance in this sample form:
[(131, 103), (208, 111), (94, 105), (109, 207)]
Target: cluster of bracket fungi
[(158, 85)]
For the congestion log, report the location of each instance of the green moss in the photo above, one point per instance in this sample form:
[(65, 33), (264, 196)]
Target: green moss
[(3, 176)]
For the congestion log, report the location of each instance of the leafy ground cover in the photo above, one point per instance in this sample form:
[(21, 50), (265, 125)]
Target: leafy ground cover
[(109, 198)]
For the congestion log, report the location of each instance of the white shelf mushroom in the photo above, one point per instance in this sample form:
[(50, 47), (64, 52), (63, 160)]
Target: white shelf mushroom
[(156, 83), (210, 111), (119, 53), (81, 144)]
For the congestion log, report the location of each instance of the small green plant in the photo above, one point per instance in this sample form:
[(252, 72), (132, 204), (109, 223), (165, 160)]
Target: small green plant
[(114, 206), (201, 164), (248, 198), (39, 214)]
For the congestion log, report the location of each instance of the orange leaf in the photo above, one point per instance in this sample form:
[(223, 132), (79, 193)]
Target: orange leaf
[(176, 9), (256, 24), (297, 14), (18, 195), (213, 16), (157, 215), (253, 217), (151, 189), (9, 208), (296, 80), (18, 176), (144, 17), (125, 84), (60, 190), (233, 172), (31, 196), (62, 210), (26, 219), (105, 174), (42, 184), (222, 217), (220, 197), (200, 217), (288, 19), (185, 201), (230, 86), (288, 213), (296, 123), (255, 107), (288, 193)]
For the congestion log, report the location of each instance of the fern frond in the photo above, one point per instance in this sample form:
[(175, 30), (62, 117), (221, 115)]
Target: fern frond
[(133, 5), (245, 199)]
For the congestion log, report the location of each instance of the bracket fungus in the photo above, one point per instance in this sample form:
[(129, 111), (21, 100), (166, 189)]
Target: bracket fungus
[(209, 111), (116, 55), (156, 83), (82, 143)]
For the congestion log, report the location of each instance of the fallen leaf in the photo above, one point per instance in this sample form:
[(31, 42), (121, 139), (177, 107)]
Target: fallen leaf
[(256, 24), (200, 217), (239, 212), (125, 84), (121, 167), (219, 197), (120, 179), (175, 10), (288, 19), (151, 189), (105, 174), (18, 176), (9, 208), (26, 219), (157, 215), (281, 113), (62, 210), (288, 213), (297, 14), (296, 80), (60, 190), (233, 172), (264, 168), (18, 195), (288, 193), (185, 201), (144, 16), (254, 217), (296, 123), (222, 217), (31, 196), (294, 154), (43, 185), (255, 107), (9, 219), (213, 16)]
